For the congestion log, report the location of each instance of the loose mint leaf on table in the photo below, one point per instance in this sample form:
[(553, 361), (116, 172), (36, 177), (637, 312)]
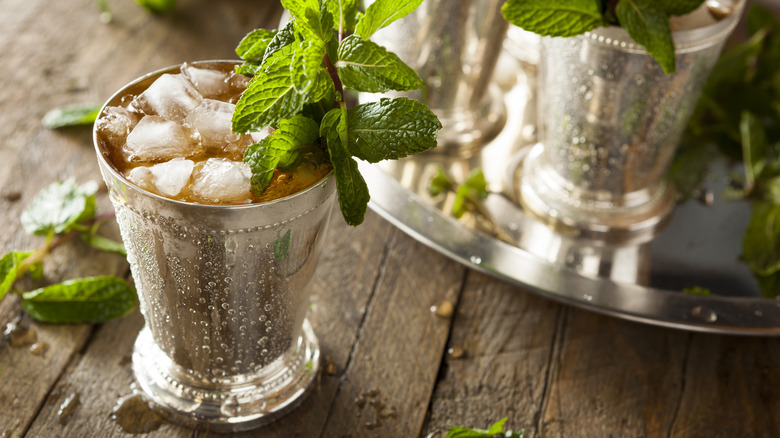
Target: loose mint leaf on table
[(9, 270), (563, 18), (71, 115), (87, 300), (344, 14), (58, 207), (366, 66), (351, 187), (383, 12), (391, 129), (495, 430), (294, 134), (440, 183), (103, 243), (648, 25), (468, 194)]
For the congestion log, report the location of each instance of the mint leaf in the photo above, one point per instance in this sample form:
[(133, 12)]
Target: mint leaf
[(761, 243), (58, 207), (312, 19), (344, 14), (468, 195), (283, 38), (697, 290), (254, 44), (648, 26), (562, 18), (769, 284), (306, 60), (263, 158), (87, 300), (383, 12), (678, 7), (9, 270), (157, 6), (71, 115), (270, 96), (351, 187), (316, 110), (754, 148), (103, 243), (495, 430), (390, 129), (440, 183), (366, 66)]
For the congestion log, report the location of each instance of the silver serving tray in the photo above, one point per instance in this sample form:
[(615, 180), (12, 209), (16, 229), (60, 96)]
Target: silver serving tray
[(641, 282)]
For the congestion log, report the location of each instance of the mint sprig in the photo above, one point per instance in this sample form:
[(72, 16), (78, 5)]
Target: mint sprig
[(298, 88), (495, 430), (646, 21), (60, 212)]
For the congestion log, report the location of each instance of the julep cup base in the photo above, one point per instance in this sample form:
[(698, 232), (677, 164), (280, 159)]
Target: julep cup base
[(256, 399), (615, 218)]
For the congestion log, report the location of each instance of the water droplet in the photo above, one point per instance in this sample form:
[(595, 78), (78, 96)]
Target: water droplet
[(587, 297), (704, 314), (456, 352), (444, 309), (475, 259), (67, 407)]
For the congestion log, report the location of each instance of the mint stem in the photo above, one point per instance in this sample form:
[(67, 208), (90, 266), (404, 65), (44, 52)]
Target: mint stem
[(336, 80)]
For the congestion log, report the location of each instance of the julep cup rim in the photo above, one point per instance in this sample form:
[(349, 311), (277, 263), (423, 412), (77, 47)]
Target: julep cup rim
[(106, 165)]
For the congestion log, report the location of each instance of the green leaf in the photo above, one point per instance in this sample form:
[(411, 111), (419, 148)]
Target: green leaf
[(498, 426), (477, 184), (562, 18), (9, 270), (391, 129), (58, 207), (306, 60), (312, 19), (344, 14), (648, 26), (367, 67), (678, 7), (103, 243), (263, 157), (440, 183), (697, 290), (754, 148), (87, 300), (383, 12), (282, 245), (769, 284), (495, 430), (316, 110), (760, 18), (351, 187), (157, 6), (270, 96), (254, 44), (761, 242), (283, 38), (71, 115)]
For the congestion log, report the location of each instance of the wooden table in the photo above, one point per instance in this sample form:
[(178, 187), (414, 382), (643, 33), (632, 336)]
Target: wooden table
[(392, 367)]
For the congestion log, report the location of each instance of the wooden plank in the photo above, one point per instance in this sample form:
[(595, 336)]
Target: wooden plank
[(731, 388), (612, 378), (499, 357), (392, 369)]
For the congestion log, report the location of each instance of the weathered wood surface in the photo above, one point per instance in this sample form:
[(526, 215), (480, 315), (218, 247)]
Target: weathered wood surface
[(391, 366)]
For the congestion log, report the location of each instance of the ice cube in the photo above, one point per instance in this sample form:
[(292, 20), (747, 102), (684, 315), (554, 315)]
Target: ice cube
[(222, 180), (115, 124), (238, 84), (167, 179), (171, 96), (209, 83), (157, 139), (212, 120)]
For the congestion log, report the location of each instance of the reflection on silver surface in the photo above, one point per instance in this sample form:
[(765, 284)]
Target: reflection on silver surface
[(453, 45), (642, 282), (610, 123)]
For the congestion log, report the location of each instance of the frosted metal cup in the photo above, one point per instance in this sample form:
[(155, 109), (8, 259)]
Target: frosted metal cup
[(610, 122), (454, 46), (224, 292)]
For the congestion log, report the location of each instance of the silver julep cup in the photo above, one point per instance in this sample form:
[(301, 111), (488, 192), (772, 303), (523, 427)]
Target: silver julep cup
[(610, 123), (454, 46), (224, 292)]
